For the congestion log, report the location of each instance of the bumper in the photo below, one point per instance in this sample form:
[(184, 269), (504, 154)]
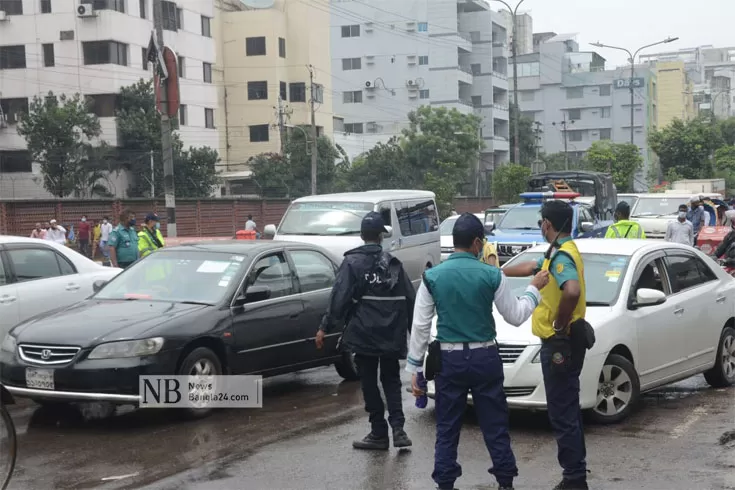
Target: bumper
[(85, 380)]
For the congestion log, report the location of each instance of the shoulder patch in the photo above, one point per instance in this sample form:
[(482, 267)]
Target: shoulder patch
[(559, 268)]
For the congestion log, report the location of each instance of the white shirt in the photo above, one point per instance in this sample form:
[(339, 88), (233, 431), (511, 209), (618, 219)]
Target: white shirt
[(58, 235), (706, 219), (678, 232), (105, 229), (513, 310), (250, 225)]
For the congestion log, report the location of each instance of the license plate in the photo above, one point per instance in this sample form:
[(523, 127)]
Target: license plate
[(40, 378)]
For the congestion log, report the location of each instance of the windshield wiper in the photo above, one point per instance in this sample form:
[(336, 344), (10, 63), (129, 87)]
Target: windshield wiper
[(527, 228), (350, 232), (597, 303), (302, 234), (194, 303)]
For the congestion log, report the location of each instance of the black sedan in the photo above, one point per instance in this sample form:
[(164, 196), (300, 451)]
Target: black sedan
[(230, 307)]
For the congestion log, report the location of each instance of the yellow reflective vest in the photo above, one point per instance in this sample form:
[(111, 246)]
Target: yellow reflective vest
[(146, 244), (625, 229)]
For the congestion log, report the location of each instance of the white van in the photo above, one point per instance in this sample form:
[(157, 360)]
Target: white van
[(333, 221)]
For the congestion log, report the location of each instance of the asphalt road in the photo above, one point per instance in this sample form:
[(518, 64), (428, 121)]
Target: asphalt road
[(301, 439)]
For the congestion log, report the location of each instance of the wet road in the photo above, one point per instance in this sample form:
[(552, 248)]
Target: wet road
[(301, 440)]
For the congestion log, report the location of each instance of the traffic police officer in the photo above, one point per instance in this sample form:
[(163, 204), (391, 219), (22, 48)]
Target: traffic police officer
[(123, 243), (462, 290), (623, 227), (562, 304), (150, 237)]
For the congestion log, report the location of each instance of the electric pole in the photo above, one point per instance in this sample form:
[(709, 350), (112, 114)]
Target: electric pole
[(564, 123), (166, 139), (282, 124), (314, 156), (515, 115), (537, 132)]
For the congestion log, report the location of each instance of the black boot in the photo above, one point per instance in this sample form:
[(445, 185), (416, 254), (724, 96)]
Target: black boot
[(565, 484), (371, 441), (400, 439)]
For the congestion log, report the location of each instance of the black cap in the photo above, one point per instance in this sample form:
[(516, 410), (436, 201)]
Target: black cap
[(469, 225), (373, 222), (623, 208), (151, 217)]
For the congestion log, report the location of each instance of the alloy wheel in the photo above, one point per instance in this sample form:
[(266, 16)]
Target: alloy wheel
[(614, 391), (728, 357)]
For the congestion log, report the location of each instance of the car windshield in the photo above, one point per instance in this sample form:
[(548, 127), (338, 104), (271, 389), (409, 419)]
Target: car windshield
[(603, 275), (658, 206), (324, 218), (521, 218), (447, 226), (631, 200), (191, 276)]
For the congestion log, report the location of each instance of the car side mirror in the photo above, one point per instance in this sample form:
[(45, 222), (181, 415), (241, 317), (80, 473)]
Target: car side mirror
[(388, 232), (489, 228), (269, 231), (648, 297), (98, 285), (253, 294), (586, 226)]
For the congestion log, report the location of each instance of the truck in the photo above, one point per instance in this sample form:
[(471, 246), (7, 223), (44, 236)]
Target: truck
[(592, 195), (699, 186), (655, 211)]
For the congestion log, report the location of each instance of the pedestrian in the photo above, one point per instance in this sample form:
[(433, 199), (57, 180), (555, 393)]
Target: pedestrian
[(84, 231), (251, 226), (559, 323), (374, 297), (56, 233), (461, 290), (123, 242), (680, 230), (38, 232), (150, 237), (453, 212), (96, 234), (105, 230), (623, 226), (726, 245), (696, 216)]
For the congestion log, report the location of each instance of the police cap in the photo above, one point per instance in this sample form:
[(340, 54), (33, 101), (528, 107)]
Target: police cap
[(151, 217), (469, 227), (373, 223), (623, 208)]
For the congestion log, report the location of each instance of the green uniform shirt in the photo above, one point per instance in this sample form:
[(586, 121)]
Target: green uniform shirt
[(125, 242), (463, 289)]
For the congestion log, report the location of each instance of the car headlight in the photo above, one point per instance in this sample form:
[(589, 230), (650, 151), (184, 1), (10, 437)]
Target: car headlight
[(127, 348), (9, 344)]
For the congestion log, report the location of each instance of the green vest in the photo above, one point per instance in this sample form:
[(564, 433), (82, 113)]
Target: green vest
[(463, 289)]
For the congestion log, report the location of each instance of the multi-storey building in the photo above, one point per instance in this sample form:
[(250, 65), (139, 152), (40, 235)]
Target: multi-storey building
[(389, 58), (262, 72), (95, 48), (675, 92), (523, 30), (577, 102)]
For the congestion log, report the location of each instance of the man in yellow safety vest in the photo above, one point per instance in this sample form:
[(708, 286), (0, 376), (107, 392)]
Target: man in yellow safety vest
[(150, 238), (623, 227)]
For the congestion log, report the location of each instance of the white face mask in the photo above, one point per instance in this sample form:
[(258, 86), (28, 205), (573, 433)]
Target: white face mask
[(84, 219), (104, 221), (682, 215)]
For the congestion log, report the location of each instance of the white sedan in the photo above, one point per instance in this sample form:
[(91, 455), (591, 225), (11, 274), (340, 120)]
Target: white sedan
[(445, 234), (662, 312), (37, 276)]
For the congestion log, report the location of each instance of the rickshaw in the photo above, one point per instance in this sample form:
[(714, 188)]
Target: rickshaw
[(712, 234)]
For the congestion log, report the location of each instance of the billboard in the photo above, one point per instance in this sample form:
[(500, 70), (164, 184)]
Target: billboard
[(638, 82)]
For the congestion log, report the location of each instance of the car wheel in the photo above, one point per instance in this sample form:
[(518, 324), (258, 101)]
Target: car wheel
[(723, 372), (618, 391), (346, 367), (200, 362)]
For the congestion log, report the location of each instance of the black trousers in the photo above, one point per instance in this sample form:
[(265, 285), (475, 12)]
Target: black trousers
[(390, 378)]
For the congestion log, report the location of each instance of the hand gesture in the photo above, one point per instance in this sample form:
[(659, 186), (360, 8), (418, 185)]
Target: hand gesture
[(540, 280), (319, 340), (417, 392)]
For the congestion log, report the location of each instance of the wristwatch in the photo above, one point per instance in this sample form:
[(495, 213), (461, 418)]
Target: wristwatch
[(557, 329)]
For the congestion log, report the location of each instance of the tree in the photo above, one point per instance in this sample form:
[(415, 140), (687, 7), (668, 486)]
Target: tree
[(59, 131), (555, 162), (526, 137), (727, 130), (383, 166), (685, 147), (509, 181), (622, 160), (139, 130)]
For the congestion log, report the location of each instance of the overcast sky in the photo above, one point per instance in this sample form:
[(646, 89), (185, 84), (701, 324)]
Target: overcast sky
[(635, 23)]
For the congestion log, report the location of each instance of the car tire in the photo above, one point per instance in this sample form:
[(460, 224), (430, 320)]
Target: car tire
[(722, 374), (618, 391), (346, 367), (202, 361)]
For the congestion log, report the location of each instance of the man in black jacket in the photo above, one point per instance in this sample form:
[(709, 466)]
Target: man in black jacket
[(374, 297)]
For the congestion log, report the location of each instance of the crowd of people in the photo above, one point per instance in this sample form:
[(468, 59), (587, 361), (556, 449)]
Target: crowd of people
[(91, 236)]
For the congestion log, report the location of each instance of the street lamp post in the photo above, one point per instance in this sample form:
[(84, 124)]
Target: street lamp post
[(632, 75), (514, 54)]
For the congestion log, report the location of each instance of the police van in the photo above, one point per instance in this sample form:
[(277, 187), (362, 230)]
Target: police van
[(332, 221)]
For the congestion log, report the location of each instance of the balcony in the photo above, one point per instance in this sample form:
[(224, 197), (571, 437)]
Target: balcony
[(500, 111), (464, 75), (463, 106), (501, 143), (500, 80), (472, 5)]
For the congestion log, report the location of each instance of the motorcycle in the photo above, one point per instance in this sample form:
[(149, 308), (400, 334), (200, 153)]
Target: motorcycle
[(728, 265)]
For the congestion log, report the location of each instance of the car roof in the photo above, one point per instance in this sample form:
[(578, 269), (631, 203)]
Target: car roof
[(246, 247), (369, 196), (612, 246), (20, 239)]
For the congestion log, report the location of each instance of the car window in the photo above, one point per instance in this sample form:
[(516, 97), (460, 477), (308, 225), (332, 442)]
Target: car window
[(31, 264), (3, 277), (649, 277), (313, 270), (417, 217), (273, 272), (521, 218), (685, 271), (66, 267)]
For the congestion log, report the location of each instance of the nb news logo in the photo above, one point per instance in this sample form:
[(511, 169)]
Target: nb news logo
[(200, 391)]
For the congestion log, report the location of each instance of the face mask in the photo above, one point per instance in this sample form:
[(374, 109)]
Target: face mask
[(682, 214), (481, 250), (132, 222), (104, 221), (84, 219), (158, 226)]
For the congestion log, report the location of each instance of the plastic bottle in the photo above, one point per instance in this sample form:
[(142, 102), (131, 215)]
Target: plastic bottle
[(423, 400)]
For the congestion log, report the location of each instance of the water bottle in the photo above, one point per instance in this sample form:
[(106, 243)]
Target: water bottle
[(423, 400)]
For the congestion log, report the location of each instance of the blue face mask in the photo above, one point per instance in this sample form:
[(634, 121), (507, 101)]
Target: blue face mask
[(158, 225), (131, 222)]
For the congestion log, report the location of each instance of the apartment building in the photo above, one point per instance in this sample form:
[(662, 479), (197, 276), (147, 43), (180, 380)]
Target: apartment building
[(712, 72), (675, 92), (389, 58), (577, 101), (523, 32), (263, 77), (95, 49)]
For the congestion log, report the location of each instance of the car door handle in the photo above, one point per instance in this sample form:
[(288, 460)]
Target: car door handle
[(7, 299), (72, 287), (294, 315), (678, 311), (721, 299)]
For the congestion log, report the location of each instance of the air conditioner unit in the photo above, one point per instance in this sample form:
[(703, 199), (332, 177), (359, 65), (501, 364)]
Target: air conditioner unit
[(369, 85), (3, 15), (85, 10), (412, 84)]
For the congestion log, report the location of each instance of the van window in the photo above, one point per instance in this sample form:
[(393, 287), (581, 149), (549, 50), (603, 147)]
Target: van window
[(417, 217), (324, 218)]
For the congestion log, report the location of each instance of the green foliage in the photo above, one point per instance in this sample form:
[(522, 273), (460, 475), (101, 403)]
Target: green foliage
[(554, 162), (685, 147), (509, 181), (526, 137), (381, 167), (622, 160), (139, 130), (290, 175), (58, 131)]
